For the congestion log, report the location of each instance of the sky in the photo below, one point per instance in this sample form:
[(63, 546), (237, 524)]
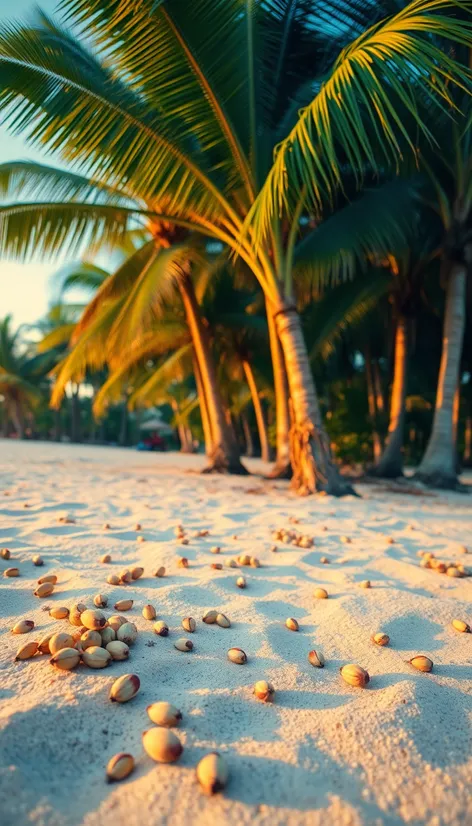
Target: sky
[(24, 288)]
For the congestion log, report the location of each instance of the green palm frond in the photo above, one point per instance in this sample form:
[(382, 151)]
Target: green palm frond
[(12, 381), (177, 365), (30, 181), (378, 222), (52, 229), (84, 275), (56, 338), (357, 114)]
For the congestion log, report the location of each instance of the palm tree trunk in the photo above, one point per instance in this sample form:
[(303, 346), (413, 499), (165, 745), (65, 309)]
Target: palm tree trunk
[(206, 424), (390, 465), (282, 468), (225, 457), (379, 396), (376, 443), (438, 466), (261, 424), (181, 429), (75, 415), (312, 463), (16, 415), (247, 434), (467, 458)]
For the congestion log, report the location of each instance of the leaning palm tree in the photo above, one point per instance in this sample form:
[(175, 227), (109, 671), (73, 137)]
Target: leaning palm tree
[(177, 118)]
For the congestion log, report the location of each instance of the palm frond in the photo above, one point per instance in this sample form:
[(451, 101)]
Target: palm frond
[(56, 338), (178, 364), (30, 181), (357, 113)]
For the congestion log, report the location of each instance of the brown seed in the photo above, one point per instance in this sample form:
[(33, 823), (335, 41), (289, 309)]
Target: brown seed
[(161, 629), (127, 633), (100, 600), (254, 563), (107, 635), (184, 541), (162, 745), (87, 639), (209, 617), (43, 646), (119, 767), (47, 578), (183, 645), (26, 651), (189, 624), (324, 560), (346, 539), (44, 590), (61, 612), (75, 614), (316, 659), (94, 620), (11, 572), (118, 650), (164, 714), (365, 583), (212, 773), (124, 605), (149, 612), (231, 563), (223, 621), (137, 527), (244, 559), (421, 663), (105, 559), (141, 538), (136, 573), (124, 688), (96, 657), (106, 526), (183, 562), (160, 572), (65, 659), (380, 638), (37, 560), (113, 579), (23, 627), (5, 553), (264, 691), (355, 675), (61, 640), (461, 626), (116, 621), (292, 624), (454, 572), (125, 576), (237, 655), (241, 582), (215, 550), (320, 593), (217, 566)]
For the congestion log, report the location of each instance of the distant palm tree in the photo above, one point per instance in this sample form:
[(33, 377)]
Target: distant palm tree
[(22, 376)]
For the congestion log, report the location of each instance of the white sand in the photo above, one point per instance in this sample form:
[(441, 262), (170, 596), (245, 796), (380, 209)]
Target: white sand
[(324, 753)]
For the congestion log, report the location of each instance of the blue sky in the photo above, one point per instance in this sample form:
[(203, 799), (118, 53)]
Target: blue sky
[(24, 288)]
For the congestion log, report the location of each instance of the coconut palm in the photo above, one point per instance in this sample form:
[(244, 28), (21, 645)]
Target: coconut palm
[(22, 376), (176, 120)]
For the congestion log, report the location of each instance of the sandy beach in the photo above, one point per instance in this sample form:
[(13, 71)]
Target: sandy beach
[(397, 752)]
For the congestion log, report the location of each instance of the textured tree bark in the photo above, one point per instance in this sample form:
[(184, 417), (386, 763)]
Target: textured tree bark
[(312, 464), (282, 468), (261, 424), (206, 424), (390, 465), (371, 400), (438, 466), (225, 456)]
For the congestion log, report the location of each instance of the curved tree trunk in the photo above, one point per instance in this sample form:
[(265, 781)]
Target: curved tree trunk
[(439, 466), (371, 399), (206, 424), (247, 434), (390, 465), (225, 457), (313, 467), (282, 468), (261, 424)]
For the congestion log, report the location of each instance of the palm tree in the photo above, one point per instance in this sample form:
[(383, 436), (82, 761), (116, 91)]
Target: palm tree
[(22, 376), (178, 121)]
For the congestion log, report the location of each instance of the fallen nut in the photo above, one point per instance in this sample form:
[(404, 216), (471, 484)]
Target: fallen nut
[(244, 559), (136, 573), (5, 553), (100, 600), (254, 562), (189, 624), (215, 550), (164, 714), (43, 645), (161, 629), (118, 650), (365, 583), (61, 612), (237, 655), (113, 579), (26, 651), (355, 675), (324, 560), (380, 638), (209, 617), (454, 572), (421, 663), (107, 635), (149, 612), (264, 691), (217, 566), (124, 605), (124, 688), (94, 620), (44, 590), (66, 659), (37, 560), (241, 582), (231, 563), (119, 767), (459, 625), (320, 593), (105, 559), (316, 659), (162, 745), (183, 562), (125, 576), (223, 621), (116, 622), (61, 640), (47, 578), (87, 640), (292, 624), (11, 572), (96, 657), (127, 633), (23, 627), (160, 572), (212, 773), (183, 645)]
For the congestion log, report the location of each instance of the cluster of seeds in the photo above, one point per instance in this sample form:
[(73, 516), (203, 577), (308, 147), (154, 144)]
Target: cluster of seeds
[(442, 566), (291, 537)]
